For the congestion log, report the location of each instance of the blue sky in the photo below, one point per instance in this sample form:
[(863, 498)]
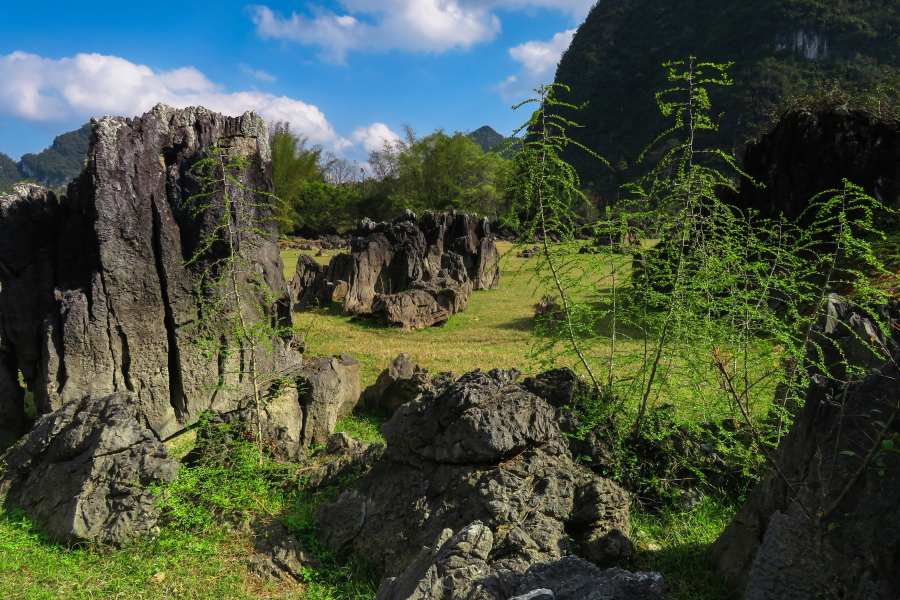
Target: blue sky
[(347, 73)]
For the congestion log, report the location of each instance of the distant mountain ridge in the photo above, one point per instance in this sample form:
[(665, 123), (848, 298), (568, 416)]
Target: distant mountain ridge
[(486, 137), (56, 165)]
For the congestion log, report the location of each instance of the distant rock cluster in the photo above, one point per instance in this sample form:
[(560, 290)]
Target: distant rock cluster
[(411, 273)]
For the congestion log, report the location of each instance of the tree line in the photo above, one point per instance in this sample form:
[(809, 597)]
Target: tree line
[(440, 172)]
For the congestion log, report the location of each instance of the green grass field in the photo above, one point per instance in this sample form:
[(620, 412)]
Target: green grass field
[(495, 330)]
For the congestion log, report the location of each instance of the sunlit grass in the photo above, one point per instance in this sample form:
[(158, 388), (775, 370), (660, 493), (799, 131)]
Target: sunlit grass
[(495, 331)]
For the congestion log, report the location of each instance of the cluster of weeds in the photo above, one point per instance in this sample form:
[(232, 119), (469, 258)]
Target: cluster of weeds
[(225, 477)]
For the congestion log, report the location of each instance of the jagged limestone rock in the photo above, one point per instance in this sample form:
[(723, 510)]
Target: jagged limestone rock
[(95, 293), (484, 450)]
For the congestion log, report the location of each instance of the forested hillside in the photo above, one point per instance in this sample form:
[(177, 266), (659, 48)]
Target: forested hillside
[(58, 164), (62, 161), (486, 137), (779, 47), (9, 172)]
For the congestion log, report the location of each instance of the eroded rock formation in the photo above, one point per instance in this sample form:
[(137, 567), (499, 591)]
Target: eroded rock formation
[(302, 413), (85, 471), (809, 151), (95, 295), (403, 381), (769, 551), (484, 450), (456, 566), (410, 273)]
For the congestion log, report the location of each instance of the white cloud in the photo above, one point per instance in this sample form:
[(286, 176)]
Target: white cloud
[(258, 74), (430, 25), (373, 136), (93, 85), (539, 61)]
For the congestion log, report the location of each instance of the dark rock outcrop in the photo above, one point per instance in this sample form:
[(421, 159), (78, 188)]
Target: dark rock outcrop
[(807, 152), (95, 294), (84, 471), (352, 458), (303, 413), (403, 381), (329, 390), (484, 450), (456, 566), (412, 272), (769, 550)]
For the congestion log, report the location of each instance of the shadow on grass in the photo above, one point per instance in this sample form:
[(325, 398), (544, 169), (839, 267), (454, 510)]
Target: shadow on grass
[(684, 570), (19, 519), (518, 324)]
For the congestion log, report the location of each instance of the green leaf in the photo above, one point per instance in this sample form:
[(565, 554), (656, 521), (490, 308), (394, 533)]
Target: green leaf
[(887, 445), (849, 453)]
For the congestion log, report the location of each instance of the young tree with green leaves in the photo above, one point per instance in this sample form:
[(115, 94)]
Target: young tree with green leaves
[(294, 164), (705, 321), (236, 323)]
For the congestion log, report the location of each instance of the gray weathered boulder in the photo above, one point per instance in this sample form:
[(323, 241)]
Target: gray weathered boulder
[(95, 293), (480, 418), (85, 471), (769, 550), (424, 304), (329, 389), (403, 381), (303, 413), (279, 555), (411, 273), (457, 566), (483, 450)]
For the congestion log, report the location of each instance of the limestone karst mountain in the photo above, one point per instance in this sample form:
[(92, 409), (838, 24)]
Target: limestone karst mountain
[(779, 48)]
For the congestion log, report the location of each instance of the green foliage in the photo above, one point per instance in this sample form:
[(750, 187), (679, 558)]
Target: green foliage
[(614, 59), (62, 161), (325, 207), (365, 425), (710, 321), (294, 165), (9, 172), (227, 480), (438, 172), (673, 543), (236, 322)]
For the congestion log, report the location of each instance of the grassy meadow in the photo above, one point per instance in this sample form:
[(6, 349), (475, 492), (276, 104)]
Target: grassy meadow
[(493, 332)]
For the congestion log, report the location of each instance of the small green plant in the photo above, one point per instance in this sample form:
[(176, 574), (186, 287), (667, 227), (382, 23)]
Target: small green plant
[(229, 477)]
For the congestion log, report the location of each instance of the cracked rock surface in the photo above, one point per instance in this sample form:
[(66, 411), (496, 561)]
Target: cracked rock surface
[(483, 450), (95, 295), (456, 567), (84, 471)]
